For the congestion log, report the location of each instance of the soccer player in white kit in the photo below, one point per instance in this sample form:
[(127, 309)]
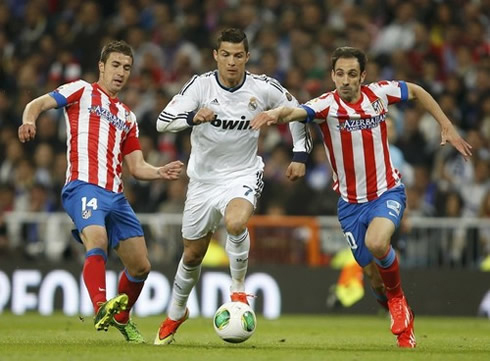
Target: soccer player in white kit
[(224, 169), (372, 197)]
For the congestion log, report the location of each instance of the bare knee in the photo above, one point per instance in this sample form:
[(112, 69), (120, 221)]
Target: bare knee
[(140, 270), (234, 226), (377, 247)]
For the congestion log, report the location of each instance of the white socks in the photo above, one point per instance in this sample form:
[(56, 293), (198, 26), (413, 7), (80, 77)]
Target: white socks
[(185, 279), (237, 248)]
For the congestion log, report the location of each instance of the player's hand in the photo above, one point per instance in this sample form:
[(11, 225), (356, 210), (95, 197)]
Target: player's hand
[(264, 118), (204, 115), (27, 132), (171, 171), (449, 134), (295, 171)]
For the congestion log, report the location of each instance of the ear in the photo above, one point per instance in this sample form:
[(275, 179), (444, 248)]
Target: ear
[(363, 76), (215, 55), (247, 58), (101, 67), (332, 75)]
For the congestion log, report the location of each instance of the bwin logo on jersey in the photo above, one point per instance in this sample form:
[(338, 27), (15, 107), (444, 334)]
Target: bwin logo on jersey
[(252, 104), (232, 124)]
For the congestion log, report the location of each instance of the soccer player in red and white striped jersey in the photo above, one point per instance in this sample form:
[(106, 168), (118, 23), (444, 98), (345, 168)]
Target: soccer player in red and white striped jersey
[(101, 133), (372, 197)]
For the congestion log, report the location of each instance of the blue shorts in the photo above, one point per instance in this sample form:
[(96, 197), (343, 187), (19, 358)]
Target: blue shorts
[(88, 204), (355, 218)]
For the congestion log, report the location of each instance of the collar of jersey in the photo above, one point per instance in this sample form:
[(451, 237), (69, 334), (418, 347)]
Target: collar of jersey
[(97, 86), (231, 90)]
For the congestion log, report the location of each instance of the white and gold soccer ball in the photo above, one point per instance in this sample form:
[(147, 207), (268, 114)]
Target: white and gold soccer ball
[(234, 322)]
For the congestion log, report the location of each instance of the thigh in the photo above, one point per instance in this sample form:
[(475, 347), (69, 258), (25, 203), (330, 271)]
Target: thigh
[(248, 188), (201, 214), (390, 205), (86, 204), (133, 253), (122, 223), (354, 228), (237, 213)]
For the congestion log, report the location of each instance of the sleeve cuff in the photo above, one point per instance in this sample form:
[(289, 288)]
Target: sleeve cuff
[(300, 157), (190, 118)]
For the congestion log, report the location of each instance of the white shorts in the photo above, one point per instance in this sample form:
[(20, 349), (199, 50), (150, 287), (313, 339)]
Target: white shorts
[(206, 203)]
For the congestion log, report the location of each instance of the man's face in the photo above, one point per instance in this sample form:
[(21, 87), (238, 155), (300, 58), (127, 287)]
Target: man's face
[(348, 78), (231, 59), (115, 72)]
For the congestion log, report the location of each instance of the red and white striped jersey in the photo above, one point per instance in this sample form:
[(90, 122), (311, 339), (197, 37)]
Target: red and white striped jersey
[(100, 132), (356, 140)]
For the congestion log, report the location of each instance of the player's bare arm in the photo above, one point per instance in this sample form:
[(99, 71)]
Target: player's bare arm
[(203, 115), (448, 132), (278, 116), (142, 170), (27, 131)]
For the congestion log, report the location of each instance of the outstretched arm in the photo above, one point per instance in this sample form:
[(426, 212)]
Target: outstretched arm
[(448, 132), (27, 131), (278, 116), (142, 170)]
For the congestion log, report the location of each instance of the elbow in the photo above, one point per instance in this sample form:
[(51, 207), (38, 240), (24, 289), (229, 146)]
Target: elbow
[(165, 127), (161, 126)]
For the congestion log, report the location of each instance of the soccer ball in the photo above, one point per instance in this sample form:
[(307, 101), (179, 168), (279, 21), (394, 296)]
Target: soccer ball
[(234, 322)]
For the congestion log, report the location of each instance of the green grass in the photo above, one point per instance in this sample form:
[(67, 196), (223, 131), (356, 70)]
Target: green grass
[(303, 338)]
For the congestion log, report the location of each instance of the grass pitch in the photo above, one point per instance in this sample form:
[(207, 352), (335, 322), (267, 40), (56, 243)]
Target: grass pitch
[(320, 337)]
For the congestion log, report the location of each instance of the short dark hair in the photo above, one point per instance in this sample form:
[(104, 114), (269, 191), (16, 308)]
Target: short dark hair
[(233, 35), (115, 46), (348, 52)]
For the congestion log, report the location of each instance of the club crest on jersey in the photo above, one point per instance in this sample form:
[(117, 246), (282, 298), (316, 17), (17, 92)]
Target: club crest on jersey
[(86, 213), (378, 106), (289, 97), (252, 104)]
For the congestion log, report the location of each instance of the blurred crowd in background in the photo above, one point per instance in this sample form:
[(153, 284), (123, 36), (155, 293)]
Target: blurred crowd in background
[(442, 45)]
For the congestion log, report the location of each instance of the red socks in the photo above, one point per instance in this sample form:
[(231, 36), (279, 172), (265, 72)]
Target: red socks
[(94, 276), (389, 270), (132, 287)]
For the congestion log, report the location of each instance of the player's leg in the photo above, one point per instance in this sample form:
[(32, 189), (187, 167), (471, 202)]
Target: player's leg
[(126, 238), (199, 222), (377, 285), (385, 214), (186, 277), (88, 205), (237, 206), (94, 238), (134, 256), (237, 247)]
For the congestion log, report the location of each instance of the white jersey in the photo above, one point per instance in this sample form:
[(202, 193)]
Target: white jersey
[(226, 148)]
